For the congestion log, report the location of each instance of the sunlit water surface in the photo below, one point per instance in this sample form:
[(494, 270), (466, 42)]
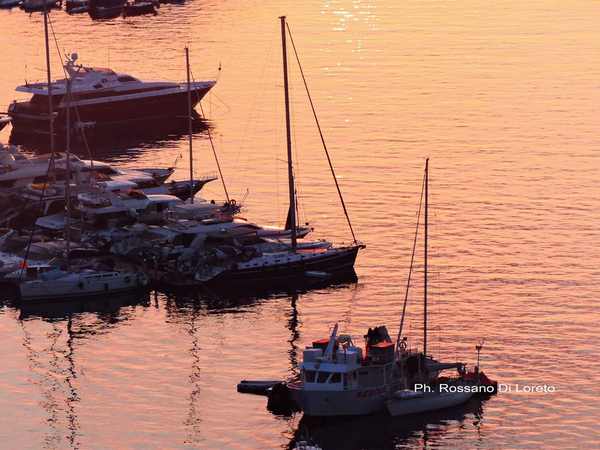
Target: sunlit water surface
[(504, 97)]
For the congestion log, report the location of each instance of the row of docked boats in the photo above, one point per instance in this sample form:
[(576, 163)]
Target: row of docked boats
[(83, 228), (97, 9), (75, 218)]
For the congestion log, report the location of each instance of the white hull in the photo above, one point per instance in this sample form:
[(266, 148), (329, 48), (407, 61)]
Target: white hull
[(81, 285), (432, 401)]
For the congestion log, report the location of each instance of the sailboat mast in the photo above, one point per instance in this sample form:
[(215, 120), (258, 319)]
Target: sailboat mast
[(68, 177), (292, 209), (50, 106), (189, 99), (425, 257)]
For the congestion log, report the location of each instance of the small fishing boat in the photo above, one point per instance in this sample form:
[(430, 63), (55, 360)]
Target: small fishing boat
[(6, 4), (139, 8), (105, 9), (338, 378), (39, 5), (77, 6)]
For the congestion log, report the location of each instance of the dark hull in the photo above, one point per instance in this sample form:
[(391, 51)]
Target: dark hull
[(139, 9), (111, 113), (37, 8), (105, 12), (335, 265)]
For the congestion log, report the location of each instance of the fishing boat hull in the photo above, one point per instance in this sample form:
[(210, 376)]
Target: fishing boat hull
[(357, 402), (105, 9), (110, 111), (428, 402)]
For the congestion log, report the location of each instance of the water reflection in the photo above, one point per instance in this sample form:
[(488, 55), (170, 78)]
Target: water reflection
[(132, 139), (108, 310), (382, 431), (51, 354)]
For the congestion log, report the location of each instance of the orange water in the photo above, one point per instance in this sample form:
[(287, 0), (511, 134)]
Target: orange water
[(502, 96)]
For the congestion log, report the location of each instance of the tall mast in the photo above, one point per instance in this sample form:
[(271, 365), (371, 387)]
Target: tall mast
[(50, 107), (425, 258), (292, 209), (68, 177), (189, 98)]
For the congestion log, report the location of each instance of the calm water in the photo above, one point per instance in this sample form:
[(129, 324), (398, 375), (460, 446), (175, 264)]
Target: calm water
[(503, 96)]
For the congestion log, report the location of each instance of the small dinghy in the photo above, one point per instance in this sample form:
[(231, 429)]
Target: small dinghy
[(256, 387)]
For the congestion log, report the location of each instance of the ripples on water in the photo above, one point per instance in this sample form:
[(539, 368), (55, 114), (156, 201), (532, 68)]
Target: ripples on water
[(503, 97)]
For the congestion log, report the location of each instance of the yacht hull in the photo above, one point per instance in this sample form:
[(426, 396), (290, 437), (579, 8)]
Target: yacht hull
[(110, 111)]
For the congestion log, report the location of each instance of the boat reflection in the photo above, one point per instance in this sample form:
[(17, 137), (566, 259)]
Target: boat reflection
[(51, 352), (237, 295), (106, 309), (116, 140), (383, 431)]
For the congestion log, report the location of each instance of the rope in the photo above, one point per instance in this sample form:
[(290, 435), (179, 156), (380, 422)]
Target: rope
[(412, 259), (312, 106), (212, 145)]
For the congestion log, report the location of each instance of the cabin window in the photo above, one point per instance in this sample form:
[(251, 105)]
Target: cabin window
[(7, 183), (126, 79), (309, 375), (336, 378), (322, 377)]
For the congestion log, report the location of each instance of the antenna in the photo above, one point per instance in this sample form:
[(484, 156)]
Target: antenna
[(478, 347)]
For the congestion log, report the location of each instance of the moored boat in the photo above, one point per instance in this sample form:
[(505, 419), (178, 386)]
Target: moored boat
[(139, 8), (39, 5), (339, 378), (77, 6), (102, 98), (6, 4), (46, 282)]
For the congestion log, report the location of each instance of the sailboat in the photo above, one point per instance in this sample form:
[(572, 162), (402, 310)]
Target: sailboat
[(338, 378), (295, 261)]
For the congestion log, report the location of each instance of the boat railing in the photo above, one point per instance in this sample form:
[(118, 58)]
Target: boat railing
[(208, 176)]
